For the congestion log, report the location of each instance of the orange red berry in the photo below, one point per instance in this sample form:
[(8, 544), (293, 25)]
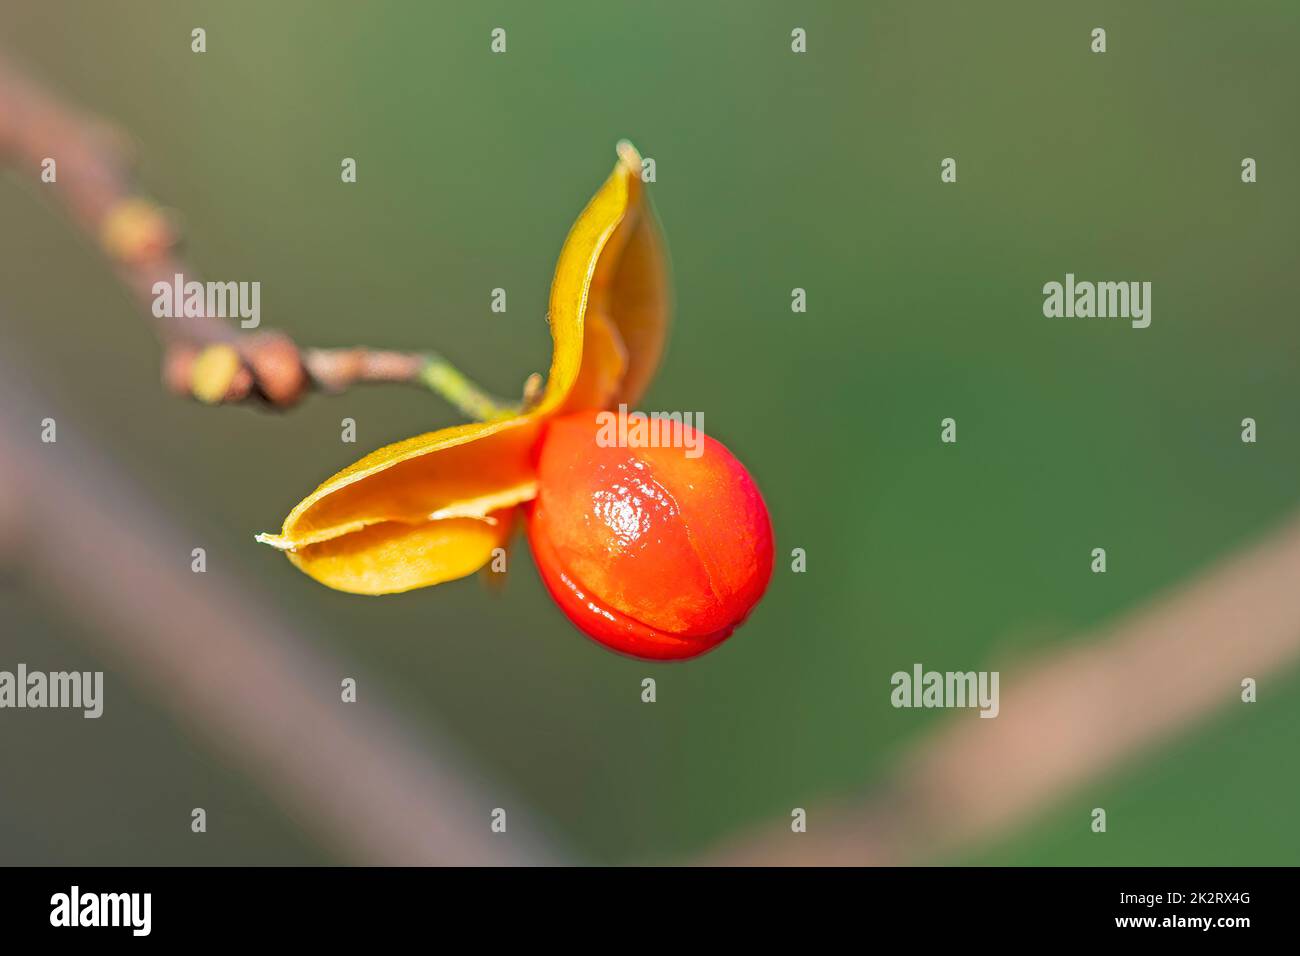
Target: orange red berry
[(649, 551)]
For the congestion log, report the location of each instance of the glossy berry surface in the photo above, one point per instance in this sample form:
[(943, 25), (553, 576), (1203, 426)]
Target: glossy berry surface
[(650, 551)]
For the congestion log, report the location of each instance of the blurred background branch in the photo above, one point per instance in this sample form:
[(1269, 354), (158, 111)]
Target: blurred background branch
[(1067, 721), (226, 661)]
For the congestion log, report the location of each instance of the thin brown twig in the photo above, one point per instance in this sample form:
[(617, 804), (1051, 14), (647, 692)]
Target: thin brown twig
[(94, 184)]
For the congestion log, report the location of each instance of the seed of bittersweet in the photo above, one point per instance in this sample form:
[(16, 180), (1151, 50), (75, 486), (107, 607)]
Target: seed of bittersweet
[(654, 552)]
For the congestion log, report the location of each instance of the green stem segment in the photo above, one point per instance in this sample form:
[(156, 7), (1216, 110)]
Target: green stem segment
[(442, 377)]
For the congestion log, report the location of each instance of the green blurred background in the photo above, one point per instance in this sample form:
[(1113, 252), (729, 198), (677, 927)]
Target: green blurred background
[(774, 171)]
